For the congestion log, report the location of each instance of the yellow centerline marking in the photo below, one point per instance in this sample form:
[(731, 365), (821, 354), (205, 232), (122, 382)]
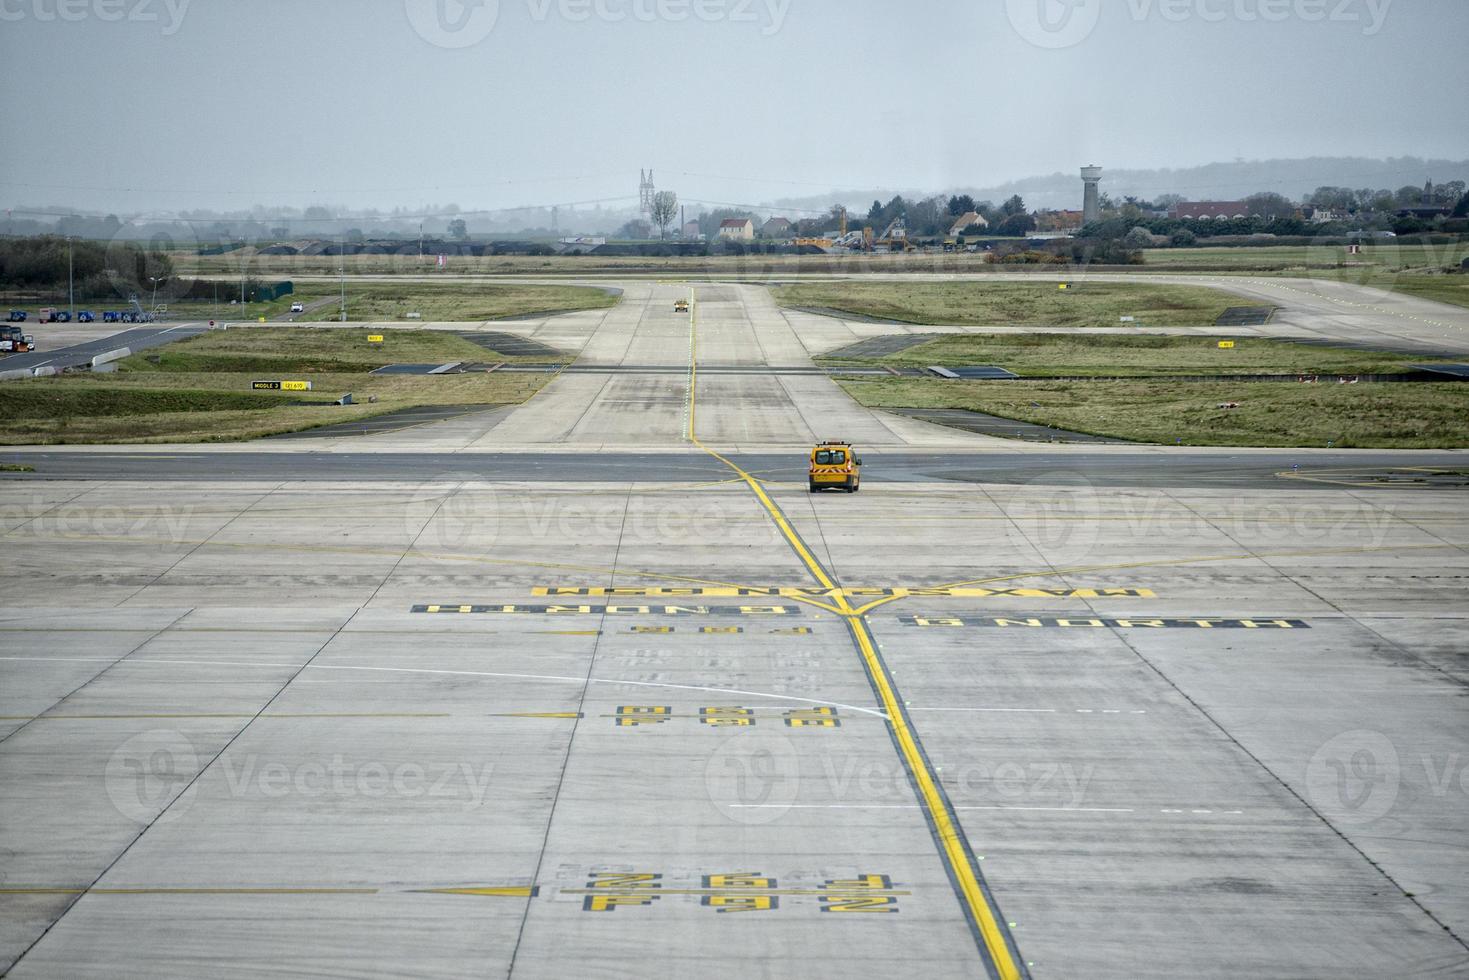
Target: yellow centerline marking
[(950, 837), (518, 891)]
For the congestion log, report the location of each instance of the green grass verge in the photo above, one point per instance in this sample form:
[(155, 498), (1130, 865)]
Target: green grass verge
[(59, 399), (1060, 355), (1368, 416), (199, 390), (979, 303), (308, 350)]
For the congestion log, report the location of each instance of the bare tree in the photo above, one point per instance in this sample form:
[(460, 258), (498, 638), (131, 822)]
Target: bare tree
[(665, 206)]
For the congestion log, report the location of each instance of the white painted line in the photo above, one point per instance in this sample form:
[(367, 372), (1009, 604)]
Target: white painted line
[(550, 678)]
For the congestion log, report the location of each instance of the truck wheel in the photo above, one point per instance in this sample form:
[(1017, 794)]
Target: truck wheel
[(813, 487)]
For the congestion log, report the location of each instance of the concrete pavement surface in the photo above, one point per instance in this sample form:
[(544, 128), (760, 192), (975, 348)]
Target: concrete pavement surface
[(597, 688)]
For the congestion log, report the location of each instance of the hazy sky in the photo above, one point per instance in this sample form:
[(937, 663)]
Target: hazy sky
[(130, 105)]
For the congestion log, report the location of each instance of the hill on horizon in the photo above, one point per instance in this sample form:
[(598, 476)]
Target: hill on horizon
[(1295, 178)]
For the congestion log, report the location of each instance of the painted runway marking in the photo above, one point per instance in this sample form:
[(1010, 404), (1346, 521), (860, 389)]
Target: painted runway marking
[(644, 715), (1053, 622), (742, 891), (789, 592), (513, 609)]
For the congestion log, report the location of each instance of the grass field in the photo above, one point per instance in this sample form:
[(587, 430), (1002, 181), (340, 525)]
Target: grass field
[(1014, 303), (459, 302), (1060, 355), (338, 349), (199, 390), (1376, 416)]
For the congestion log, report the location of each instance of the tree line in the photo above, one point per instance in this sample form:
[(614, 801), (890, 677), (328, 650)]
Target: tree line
[(97, 269)]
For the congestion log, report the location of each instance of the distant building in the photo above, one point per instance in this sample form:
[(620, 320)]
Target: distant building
[(1059, 222), (691, 230), (737, 229), (1325, 216), (966, 221), (776, 228), (1217, 210)]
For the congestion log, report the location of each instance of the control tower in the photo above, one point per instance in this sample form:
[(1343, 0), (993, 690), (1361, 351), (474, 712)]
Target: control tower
[(1091, 206)]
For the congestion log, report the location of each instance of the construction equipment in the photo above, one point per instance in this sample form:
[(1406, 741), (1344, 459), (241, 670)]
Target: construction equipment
[(895, 238), (835, 465)]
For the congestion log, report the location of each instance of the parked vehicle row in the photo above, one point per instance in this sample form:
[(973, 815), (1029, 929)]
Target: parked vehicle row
[(84, 316)]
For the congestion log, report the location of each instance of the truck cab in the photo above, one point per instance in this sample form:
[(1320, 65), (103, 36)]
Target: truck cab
[(835, 465)]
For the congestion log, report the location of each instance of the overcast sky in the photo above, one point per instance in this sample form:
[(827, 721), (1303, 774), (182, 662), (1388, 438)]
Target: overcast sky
[(132, 105)]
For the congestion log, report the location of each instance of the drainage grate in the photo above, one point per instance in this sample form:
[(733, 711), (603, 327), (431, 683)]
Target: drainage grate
[(509, 344)]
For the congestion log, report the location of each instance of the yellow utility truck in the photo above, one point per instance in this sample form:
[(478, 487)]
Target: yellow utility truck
[(835, 465)]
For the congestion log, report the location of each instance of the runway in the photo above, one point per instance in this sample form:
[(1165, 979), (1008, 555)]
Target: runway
[(595, 687)]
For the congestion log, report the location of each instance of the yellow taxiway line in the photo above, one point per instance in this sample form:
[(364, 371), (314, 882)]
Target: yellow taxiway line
[(994, 940)]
